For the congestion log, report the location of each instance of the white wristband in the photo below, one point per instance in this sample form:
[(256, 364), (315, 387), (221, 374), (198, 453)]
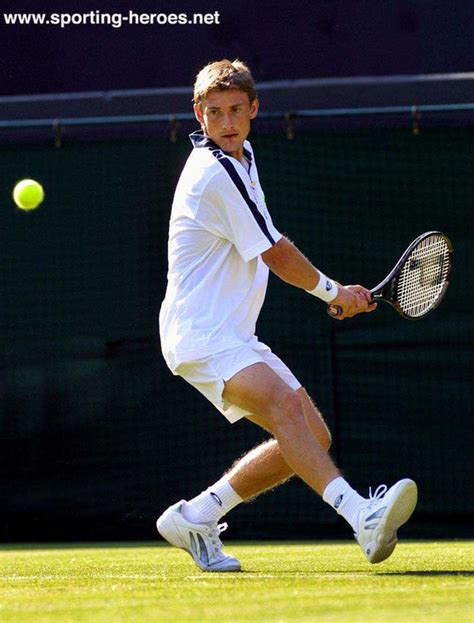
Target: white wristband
[(326, 290)]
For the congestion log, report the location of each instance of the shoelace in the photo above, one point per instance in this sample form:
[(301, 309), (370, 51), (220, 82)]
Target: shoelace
[(379, 493), (215, 540), (372, 499)]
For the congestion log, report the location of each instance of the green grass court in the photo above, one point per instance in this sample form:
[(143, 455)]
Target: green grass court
[(423, 581)]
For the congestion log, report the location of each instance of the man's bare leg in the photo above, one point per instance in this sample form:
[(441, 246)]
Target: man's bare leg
[(264, 467), (261, 469), (276, 407), (300, 446)]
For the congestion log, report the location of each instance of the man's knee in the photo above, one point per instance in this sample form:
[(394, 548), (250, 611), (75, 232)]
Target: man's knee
[(287, 410)]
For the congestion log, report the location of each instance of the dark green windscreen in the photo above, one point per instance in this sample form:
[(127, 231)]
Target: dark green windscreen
[(96, 435)]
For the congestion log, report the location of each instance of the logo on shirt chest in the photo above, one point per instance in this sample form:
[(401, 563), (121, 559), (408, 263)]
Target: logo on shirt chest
[(258, 195)]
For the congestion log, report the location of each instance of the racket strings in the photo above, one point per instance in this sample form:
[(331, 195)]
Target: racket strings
[(423, 277)]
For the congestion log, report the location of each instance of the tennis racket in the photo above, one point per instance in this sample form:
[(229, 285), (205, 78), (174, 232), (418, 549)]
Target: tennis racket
[(419, 280)]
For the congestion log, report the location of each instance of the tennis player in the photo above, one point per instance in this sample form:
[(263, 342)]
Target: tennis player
[(222, 244)]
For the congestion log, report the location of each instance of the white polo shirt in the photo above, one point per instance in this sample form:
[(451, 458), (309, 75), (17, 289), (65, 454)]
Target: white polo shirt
[(217, 281)]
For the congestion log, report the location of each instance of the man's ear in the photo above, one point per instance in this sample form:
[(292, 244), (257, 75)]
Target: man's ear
[(198, 113), (254, 106)]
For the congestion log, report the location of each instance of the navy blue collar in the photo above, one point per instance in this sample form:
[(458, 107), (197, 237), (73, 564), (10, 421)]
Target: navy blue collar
[(199, 139)]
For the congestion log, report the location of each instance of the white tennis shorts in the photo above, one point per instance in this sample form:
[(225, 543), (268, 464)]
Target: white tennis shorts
[(208, 375)]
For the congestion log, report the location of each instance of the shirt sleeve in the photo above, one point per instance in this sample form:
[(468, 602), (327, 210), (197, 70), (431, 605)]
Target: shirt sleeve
[(227, 210)]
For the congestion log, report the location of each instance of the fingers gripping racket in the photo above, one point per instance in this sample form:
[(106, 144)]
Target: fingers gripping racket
[(419, 280)]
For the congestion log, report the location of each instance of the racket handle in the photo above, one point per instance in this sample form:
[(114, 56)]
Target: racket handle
[(334, 310)]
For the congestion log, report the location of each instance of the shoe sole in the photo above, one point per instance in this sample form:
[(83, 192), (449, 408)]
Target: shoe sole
[(400, 512), (168, 531)]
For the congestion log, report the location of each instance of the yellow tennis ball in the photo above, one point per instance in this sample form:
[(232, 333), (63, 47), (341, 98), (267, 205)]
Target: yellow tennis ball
[(28, 194)]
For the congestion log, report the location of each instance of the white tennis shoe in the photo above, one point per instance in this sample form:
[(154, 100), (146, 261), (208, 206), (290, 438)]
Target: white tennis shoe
[(380, 517), (200, 540)]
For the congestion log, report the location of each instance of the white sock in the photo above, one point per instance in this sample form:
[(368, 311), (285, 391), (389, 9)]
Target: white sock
[(341, 496), (213, 503)]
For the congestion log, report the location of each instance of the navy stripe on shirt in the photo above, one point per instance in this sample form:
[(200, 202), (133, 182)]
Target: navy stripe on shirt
[(235, 177), (199, 139)]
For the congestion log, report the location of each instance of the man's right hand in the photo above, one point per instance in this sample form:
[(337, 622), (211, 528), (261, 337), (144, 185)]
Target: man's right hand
[(353, 300)]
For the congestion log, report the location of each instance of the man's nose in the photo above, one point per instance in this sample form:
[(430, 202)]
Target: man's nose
[(227, 121)]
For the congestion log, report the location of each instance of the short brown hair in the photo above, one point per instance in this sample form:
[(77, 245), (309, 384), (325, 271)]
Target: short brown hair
[(224, 75)]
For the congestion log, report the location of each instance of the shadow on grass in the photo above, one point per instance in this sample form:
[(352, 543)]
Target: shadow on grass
[(368, 573), (441, 572)]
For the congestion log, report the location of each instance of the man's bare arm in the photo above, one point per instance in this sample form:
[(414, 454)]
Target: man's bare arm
[(286, 261)]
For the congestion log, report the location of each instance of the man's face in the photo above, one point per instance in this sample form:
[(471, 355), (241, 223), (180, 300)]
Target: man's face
[(225, 117)]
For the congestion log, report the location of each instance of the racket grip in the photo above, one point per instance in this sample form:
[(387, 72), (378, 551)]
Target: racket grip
[(334, 310)]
